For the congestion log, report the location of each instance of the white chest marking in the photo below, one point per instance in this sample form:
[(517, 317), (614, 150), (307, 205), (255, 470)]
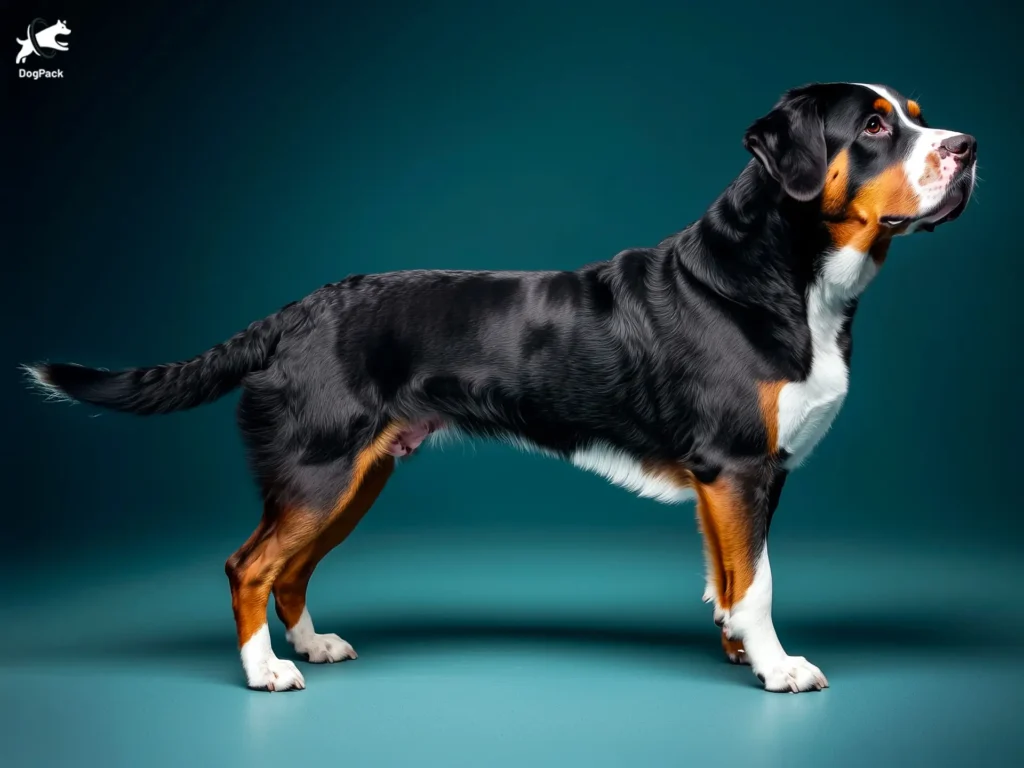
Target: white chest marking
[(807, 408)]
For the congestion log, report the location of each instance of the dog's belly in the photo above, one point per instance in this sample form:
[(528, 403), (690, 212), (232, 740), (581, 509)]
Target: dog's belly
[(625, 471), (614, 465)]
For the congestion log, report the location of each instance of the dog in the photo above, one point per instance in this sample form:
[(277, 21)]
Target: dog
[(46, 38), (705, 368)]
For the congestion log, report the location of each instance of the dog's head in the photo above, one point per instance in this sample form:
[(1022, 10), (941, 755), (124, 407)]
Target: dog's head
[(864, 155), (60, 28)]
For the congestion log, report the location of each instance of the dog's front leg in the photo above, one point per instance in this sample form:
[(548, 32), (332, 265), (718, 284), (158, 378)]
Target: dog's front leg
[(735, 511)]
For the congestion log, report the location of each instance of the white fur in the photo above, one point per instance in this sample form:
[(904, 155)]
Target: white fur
[(750, 620), (319, 648), (601, 459), (39, 382), (626, 471), (263, 669), (807, 408), (930, 194)]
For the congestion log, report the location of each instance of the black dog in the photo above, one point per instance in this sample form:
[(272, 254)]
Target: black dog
[(707, 367)]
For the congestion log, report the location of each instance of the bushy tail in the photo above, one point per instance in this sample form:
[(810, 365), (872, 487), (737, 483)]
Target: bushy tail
[(170, 387)]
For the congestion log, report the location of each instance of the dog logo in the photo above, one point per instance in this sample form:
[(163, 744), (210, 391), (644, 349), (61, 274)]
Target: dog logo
[(42, 40)]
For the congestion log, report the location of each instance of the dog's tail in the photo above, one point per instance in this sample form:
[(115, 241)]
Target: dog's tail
[(170, 387)]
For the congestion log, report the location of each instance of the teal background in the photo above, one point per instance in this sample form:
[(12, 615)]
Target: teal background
[(198, 167)]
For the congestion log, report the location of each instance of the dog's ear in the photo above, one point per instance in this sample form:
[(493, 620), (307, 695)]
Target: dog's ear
[(790, 143)]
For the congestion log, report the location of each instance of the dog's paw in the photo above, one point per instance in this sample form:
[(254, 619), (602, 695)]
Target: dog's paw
[(324, 649), (734, 651), (277, 675), (792, 674)]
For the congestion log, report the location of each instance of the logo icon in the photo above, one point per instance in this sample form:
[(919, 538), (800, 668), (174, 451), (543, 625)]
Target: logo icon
[(42, 40)]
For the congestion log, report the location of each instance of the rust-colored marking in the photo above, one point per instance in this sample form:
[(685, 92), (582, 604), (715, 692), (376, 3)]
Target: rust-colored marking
[(883, 105), (725, 522), (290, 587), (888, 194), (734, 649), (283, 533), (768, 398), (837, 179), (913, 109)]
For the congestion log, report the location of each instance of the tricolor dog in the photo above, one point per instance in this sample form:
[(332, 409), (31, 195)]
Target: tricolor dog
[(706, 367)]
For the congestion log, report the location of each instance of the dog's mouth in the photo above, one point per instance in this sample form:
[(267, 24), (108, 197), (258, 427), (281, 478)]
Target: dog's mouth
[(950, 208)]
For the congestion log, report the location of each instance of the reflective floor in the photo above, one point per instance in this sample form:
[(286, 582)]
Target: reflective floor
[(519, 649)]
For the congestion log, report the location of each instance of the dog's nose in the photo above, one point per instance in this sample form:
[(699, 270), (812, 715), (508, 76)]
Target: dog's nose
[(962, 146)]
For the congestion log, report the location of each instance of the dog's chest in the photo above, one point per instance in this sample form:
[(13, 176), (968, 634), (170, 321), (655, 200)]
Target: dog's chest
[(807, 408)]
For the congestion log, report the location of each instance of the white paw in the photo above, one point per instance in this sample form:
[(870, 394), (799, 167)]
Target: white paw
[(277, 675), (323, 649), (792, 674)]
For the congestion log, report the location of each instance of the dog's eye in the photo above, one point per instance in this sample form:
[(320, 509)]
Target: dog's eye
[(874, 125)]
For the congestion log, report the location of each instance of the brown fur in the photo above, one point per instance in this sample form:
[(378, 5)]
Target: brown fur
[(733, 649), (768, 395), (291, 538), (837, 179), (888, 194), (290, 587), (725, 522)]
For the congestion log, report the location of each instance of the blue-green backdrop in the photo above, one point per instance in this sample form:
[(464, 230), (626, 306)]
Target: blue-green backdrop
[(200, 165)]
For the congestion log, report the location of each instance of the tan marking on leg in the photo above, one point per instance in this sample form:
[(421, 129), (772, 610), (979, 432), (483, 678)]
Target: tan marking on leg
[(733, 649), (252, 570), (725, 522), (282, 534), (682, 477), (290, 587)]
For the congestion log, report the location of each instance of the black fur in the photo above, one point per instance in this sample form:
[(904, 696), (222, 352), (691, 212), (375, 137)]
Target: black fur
[(656, 351), (664, 354)]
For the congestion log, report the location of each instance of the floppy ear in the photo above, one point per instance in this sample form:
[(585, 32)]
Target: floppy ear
[(790, 143)]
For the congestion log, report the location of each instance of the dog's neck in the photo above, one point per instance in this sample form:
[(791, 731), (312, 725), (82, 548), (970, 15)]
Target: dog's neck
[(772, 259), (755, 244)]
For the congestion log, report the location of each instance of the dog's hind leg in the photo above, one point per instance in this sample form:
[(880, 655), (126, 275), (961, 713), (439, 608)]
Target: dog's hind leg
[(251, 572), (286, 531), (291, 585)]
